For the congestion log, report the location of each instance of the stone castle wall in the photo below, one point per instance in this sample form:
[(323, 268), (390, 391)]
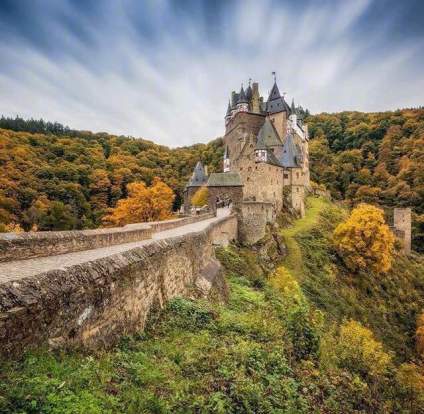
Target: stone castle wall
[(402, 226), (18, 246), (94, 303), (253, 219)]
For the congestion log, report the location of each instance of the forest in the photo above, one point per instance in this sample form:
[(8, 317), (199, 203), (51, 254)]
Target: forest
[(56, 178)]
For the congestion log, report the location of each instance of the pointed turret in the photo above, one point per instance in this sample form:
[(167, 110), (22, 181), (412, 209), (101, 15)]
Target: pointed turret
[(228, 109), (249, 92), (242, 96), (242, 103), (293, 107), (276, 102), (275, 93)]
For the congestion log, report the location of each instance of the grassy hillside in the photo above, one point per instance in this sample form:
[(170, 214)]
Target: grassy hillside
[(308, 337)]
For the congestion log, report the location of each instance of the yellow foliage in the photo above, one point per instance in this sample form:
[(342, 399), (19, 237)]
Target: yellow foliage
[(420, 335), (143, 204), (411, 378), (364, 241), (358, 349), (282, 280), (200, 197), (13, 228)]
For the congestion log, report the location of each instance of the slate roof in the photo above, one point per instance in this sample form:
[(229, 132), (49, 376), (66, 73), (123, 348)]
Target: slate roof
[(276, 102), (242, 96), (291, 156), (229, 179), (228, 109), (198, 177), (268, 135), (249, 93)]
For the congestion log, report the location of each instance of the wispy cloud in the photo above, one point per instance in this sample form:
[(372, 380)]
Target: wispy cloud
[(164, 70)]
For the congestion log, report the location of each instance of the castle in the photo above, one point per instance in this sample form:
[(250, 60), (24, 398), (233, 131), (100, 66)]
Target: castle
[(266, 161)]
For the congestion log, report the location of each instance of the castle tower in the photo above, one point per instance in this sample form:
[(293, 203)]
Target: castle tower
[(277, 110), (255, 100), (402, 223)]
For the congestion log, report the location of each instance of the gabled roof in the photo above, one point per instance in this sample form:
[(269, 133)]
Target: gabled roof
[(290, 156), (228, 179), (198, 177), (268, 135)]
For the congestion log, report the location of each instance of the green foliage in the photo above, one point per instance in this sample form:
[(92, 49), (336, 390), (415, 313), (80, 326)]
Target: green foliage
[(60, 179)]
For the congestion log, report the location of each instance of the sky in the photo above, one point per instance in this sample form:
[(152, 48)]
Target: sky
[(163, 70)]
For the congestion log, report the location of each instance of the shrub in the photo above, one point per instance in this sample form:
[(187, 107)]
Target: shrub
[(358, 350), (364, 241), (420, 335)]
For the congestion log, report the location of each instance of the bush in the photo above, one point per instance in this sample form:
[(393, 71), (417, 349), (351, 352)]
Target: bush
[(358, 351), (420, 335), (200, 197), (364, 241)]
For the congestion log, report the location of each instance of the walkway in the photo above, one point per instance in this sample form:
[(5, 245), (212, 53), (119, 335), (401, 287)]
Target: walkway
[(19, 269)]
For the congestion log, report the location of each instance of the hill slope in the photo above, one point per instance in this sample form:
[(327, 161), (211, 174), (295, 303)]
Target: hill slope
[(285, 342)]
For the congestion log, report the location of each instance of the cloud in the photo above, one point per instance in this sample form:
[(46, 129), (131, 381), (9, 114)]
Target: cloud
[(164, 70)]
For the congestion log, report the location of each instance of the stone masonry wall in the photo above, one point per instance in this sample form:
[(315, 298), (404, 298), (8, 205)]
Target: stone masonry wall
[(47, 243), (94, 303), (253, 220)]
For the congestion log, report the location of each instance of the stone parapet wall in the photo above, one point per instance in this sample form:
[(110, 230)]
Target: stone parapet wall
[(94, 303), (18, 246)]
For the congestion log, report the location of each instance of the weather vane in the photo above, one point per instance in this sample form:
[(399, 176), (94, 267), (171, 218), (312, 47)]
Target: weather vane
[(275, 76)]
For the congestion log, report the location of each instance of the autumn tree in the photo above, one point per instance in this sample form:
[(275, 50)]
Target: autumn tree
[(420, 335), (364, 241), (142, 204), (200, 197)]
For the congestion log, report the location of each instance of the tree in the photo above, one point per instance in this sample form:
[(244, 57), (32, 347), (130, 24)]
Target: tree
[(420, 335), (143, 204), (364, 241), (200, 197)]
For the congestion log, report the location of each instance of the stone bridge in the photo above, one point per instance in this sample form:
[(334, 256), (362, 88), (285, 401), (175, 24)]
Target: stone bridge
[(88, 288)]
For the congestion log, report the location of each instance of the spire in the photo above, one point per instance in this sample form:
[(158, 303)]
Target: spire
[(242, 96), (249, 91), (275, 93), (293, 108), (228, 109)]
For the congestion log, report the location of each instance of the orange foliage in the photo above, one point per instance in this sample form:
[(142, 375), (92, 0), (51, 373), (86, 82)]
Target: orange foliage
[(364, 241), (143, 204)]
